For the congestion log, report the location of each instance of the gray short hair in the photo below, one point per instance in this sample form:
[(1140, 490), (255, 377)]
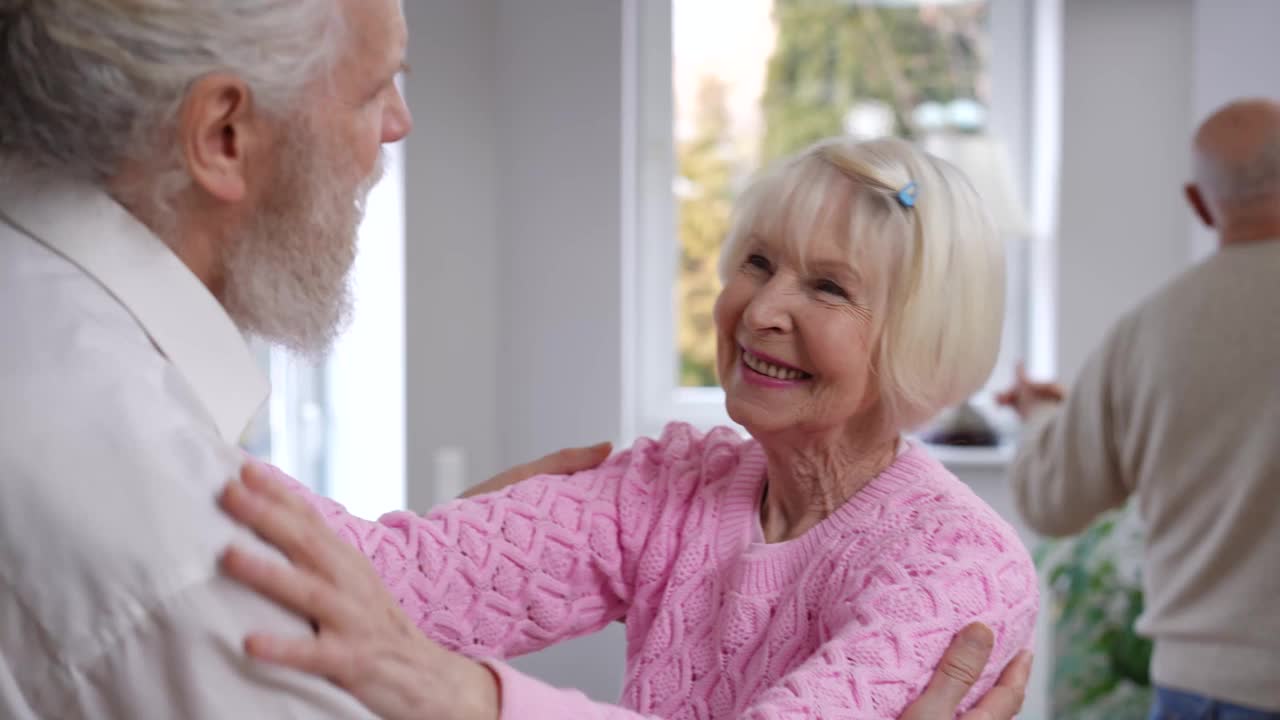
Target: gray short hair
[(1255, 175), (88, 84)]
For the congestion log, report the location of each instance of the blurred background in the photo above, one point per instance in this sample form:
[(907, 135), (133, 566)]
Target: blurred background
[(538, 266)]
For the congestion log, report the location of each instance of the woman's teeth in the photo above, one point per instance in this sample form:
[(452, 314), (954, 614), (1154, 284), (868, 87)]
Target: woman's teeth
[(773, 371)]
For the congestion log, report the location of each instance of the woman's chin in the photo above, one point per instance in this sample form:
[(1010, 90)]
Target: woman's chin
[(750, 413)]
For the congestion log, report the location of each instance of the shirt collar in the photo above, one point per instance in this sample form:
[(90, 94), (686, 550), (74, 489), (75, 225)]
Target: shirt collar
[(182, 318)]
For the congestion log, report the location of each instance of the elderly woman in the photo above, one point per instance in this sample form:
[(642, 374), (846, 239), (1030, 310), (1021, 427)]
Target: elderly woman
[(817, 568)]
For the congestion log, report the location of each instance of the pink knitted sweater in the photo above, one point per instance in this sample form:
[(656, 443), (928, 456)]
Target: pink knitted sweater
[(846, 621)]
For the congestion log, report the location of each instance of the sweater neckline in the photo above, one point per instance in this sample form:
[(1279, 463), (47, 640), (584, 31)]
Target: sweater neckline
[(767, 566)]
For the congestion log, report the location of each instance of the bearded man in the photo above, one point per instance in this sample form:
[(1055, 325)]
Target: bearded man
[(173, 176)]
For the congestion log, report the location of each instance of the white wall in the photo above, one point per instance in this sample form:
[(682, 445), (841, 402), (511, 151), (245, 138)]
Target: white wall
[(512, 255), (452, 275), (1125, 124), (513, 218), (1236, 55), (559, 215), (1139, 76), (559, 224)]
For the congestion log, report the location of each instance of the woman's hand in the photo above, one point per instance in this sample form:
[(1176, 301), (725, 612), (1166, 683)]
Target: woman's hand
[(363, 642)]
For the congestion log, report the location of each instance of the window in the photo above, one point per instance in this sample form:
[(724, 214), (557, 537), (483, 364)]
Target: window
[(339, 428), (714, 105), (289, 430)]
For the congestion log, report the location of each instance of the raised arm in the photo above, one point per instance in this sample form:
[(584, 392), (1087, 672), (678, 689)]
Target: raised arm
[(513, 571), (1068, 468)]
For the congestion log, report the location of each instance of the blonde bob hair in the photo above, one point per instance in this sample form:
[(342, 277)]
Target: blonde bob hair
[(932, 265)]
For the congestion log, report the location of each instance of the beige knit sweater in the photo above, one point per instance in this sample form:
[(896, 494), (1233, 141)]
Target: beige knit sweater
[(1181, 405)]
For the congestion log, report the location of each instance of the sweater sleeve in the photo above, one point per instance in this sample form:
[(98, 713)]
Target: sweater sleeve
[(511, 572), (1067, 469), (886, 630)]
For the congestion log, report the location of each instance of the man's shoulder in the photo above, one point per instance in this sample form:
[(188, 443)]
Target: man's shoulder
[(110, 468), (58, 320), (1225, 299), (103, 521), (1237, 279), (77, 371)]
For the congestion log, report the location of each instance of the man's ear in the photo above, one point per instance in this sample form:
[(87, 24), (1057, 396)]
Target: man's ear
[(217, 131), (1196, 200)]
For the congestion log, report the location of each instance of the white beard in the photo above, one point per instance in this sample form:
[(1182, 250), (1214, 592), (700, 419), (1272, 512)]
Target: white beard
[(287, 272)]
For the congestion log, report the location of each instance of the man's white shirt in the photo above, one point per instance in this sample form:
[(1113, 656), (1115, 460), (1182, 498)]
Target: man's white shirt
[(124, 389)]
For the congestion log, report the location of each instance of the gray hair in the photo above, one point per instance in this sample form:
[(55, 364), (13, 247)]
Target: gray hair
[(1255, 175), (88, 84)]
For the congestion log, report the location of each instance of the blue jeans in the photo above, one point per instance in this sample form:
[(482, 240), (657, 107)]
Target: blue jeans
[(1178, 705)]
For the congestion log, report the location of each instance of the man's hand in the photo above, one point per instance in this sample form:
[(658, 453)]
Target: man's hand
[(1027, 397), (563, 462), (362, 640), (959, 669)]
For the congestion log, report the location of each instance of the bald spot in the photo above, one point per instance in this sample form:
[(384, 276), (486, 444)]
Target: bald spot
[(1237, 153)]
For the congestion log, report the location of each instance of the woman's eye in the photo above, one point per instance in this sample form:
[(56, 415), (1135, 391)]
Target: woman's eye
[(830, 288), (759, 262)]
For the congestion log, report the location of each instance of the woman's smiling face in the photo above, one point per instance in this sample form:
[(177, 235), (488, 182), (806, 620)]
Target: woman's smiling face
[(846, 306), (794, 336)]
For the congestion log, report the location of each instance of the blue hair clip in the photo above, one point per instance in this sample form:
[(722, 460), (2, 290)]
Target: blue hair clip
[(907, 195)]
